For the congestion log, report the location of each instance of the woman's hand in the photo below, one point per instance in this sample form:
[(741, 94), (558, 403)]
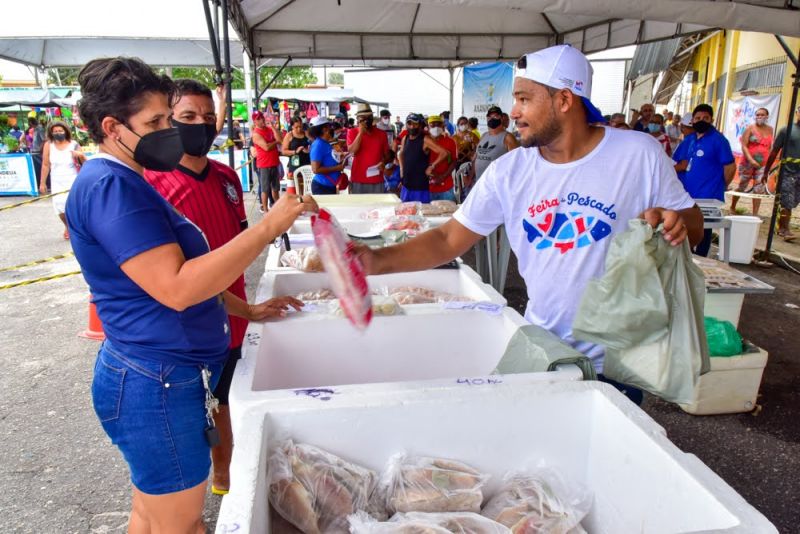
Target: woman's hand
[(43, 188), (273, 308), (286, 210)]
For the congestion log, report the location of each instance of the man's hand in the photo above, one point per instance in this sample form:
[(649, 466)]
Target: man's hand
[(43, 188), (273, 308), (367, 258), (675, 229)]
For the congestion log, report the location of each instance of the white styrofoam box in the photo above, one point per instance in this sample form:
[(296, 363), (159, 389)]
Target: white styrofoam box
[(462, 282), (724, 306), (640, 481), (731, 386), (340, 200), (294, 354)]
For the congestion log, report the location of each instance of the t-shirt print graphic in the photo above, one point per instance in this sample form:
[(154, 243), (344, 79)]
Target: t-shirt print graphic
[(567, 230)]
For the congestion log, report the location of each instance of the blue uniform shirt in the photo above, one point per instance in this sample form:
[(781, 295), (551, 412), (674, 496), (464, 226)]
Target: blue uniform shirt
[(707, 157), (114, 215), (322, 153)]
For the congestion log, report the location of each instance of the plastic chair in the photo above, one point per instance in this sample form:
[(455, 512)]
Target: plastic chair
[(307, 175)]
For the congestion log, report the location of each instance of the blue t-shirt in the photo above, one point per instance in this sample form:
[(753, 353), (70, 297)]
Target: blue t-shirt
[(322, 153), (707, 157), (114, 215)]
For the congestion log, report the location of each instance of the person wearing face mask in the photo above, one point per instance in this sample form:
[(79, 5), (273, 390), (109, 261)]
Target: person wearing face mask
[(448, 126), (493, 144), (370, 149), (673, 129), (641, 118), (417, 162), (466, 141), (160, 291), (385, 125), (656, 129), (705, 164), (61, 161), (756, 141), (209, 194), (441, 181), (296, 146), (327, 170)]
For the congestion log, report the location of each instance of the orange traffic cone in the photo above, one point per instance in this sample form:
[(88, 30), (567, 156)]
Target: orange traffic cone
[(95, 330)]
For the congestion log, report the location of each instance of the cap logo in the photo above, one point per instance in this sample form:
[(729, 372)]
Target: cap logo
[(579, 85), (567, 82)]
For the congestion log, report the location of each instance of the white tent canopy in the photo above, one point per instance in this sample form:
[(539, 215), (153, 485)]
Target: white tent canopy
[(445, 33), (160, 32)]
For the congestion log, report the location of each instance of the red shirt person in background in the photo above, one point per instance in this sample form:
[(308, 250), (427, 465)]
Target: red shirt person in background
[(370, 149), (209, 194), (441, 183), (266, 140)]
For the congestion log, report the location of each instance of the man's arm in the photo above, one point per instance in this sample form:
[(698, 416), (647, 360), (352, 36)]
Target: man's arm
[(222, 97), (355, 146), (773, 155), (511, 142), (426, 251), (441, 153), (259, 141), (729, 170)]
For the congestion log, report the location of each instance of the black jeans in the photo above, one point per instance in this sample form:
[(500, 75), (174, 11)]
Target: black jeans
[(704, 246)]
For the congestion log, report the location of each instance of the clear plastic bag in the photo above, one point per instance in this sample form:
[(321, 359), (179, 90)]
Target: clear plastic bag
[(316, 295), (439, 208), (410, 224), (541, 501), (408, 208), (419, 484), (381, 307), (379, 213), (405, 295), (347, 277), (304, 259), (426, 523), (314, 490)]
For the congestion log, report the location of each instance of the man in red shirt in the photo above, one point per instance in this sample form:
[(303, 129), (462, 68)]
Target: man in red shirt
[(209, 194), (441, 183), (266, 139), (370, 149)]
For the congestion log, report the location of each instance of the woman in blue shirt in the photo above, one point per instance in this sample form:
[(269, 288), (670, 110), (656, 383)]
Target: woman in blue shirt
[(326, 168), (158, 293)]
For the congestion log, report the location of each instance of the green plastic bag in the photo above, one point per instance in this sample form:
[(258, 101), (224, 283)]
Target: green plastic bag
[(532, 349), (647, 310), (723, 339)]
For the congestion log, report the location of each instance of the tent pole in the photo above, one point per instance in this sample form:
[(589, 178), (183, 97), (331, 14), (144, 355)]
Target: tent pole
[(248, 84), (255, 87), (269, 83), (212, 39), (452, 88), (789, 125), (226, 50)]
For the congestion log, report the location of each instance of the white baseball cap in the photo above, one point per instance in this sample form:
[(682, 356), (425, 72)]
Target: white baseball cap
[(562, 67), (686, 120), (319, 120)]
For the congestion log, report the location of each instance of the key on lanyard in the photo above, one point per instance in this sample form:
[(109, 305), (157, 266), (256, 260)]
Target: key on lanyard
[(212, 407)]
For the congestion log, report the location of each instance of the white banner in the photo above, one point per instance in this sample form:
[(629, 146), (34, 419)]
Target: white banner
[(16, 175), (487, 85), (740, 113)]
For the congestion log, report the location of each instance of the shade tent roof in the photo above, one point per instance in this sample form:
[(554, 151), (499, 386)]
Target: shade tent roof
[(444, 33), (329, 94), (77, 51), (30, 97), (160, 32)]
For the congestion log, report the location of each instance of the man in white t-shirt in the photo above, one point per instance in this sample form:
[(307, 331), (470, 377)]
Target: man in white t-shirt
[(561, 198)]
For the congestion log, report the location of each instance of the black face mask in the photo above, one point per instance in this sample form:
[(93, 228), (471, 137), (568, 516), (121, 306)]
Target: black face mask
[(413, 132), (493, 123), (701, 127), (60, 136), (161, 150), (368, 122), (196, 138)]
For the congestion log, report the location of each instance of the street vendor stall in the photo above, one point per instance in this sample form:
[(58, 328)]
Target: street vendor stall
[(17, 175)]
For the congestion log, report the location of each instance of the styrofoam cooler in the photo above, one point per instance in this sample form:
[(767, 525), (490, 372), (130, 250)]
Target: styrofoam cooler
[(744, 234), (462, 282), (731, 386), (282, 358), (588, 431)]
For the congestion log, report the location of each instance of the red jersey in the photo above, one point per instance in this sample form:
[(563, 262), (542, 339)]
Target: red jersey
[(367, 168), (449, 144), (266, 158), (215, 203)]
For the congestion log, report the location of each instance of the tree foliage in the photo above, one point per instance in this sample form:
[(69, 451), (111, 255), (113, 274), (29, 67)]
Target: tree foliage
[(336, 78)]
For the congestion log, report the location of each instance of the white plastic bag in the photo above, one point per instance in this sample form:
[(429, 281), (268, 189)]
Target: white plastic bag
[(304, 259), (647, 310), (426, 523), (419, 484), (541, 501), (314, 490)]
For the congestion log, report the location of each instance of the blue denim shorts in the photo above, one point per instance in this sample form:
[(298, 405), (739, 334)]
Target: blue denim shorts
[(155, 413)]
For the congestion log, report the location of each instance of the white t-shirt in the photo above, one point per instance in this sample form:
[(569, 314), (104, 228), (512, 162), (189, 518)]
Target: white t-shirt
[(560, 218)]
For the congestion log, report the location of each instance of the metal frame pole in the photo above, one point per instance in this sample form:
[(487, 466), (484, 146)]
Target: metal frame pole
[(226, 51), (790, 123)]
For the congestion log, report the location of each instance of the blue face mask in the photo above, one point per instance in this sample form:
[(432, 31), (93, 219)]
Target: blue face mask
[(654, 128)]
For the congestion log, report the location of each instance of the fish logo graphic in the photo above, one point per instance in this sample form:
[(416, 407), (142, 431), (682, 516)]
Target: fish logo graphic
[(566, 231)]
